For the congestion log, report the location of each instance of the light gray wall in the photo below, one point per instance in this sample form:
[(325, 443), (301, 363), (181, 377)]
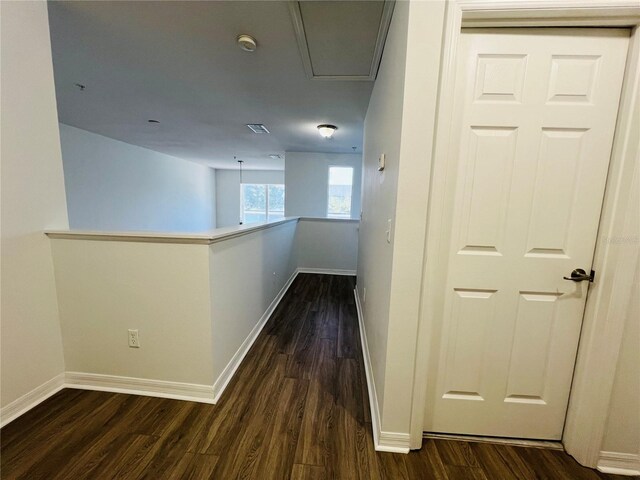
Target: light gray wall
[(382, 133), (246, 275), (307, 182), (623, 426), (106, 287), (161, 289), (400, 122), (327, 243), (114, 186), (228, 191), (32, 200)]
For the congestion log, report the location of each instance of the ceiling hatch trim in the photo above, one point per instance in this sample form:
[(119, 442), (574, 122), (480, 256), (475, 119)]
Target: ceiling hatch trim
[(303, 46)]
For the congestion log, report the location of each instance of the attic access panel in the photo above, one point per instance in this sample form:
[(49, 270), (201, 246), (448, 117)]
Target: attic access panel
[(341, 40)]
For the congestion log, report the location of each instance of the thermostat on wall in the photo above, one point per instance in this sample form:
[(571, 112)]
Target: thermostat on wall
[(381, 162)]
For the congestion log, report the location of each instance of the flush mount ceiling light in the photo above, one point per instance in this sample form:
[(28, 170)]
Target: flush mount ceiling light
[(327, 130), (257, 128), (247, 43)]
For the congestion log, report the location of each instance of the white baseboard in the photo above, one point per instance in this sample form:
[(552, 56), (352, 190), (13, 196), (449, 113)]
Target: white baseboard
[(140, 386), (394, 442), (373, 397), (29, 400), (227, 374), (619, 463), (159, 388), (326, 271)]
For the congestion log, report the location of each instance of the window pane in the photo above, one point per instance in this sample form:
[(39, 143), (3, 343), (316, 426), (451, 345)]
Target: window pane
[(276, 202), (254, 203), (252, 217), (340, 186)]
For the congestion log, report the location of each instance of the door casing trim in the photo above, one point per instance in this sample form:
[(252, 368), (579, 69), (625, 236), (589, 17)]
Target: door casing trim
[(602, 330)]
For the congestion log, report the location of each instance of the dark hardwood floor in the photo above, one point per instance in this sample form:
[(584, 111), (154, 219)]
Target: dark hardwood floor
[(297, 409)]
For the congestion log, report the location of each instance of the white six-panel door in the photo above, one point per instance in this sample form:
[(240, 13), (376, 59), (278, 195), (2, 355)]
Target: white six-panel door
[(536, 117)]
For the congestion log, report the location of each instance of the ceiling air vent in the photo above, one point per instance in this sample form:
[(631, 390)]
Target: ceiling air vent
[(257, 128)]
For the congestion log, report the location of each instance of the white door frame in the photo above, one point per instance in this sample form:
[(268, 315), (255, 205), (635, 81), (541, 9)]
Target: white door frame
[(602, 330)]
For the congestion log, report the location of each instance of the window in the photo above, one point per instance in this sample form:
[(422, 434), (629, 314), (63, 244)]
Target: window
[(259, 203), (339, 197)]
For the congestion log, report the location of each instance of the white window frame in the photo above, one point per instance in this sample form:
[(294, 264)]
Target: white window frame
[(266, 207), (334, 215)]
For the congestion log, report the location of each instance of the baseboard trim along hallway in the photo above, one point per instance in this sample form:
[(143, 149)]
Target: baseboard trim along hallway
[(231, 368), (327, 271), (31, 399), (140, 386), (393, 442), (619, 463)]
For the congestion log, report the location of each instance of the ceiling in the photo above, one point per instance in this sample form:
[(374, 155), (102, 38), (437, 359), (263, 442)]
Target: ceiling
[(178, 63)]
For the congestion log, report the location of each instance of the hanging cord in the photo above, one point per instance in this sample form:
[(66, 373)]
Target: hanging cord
[(242, 199)]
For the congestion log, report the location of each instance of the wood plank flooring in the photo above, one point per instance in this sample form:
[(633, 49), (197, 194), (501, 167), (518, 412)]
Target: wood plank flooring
[(297, 409)]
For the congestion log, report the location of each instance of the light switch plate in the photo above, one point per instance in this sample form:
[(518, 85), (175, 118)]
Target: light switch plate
[(388, 232)]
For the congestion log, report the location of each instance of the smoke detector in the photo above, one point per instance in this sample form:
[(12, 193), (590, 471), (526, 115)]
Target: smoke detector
[(247, 43)]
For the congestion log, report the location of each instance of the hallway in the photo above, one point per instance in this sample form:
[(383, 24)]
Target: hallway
[(297, 408)]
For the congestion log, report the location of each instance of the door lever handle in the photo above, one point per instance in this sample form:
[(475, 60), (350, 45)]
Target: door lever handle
[(579, 275)]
